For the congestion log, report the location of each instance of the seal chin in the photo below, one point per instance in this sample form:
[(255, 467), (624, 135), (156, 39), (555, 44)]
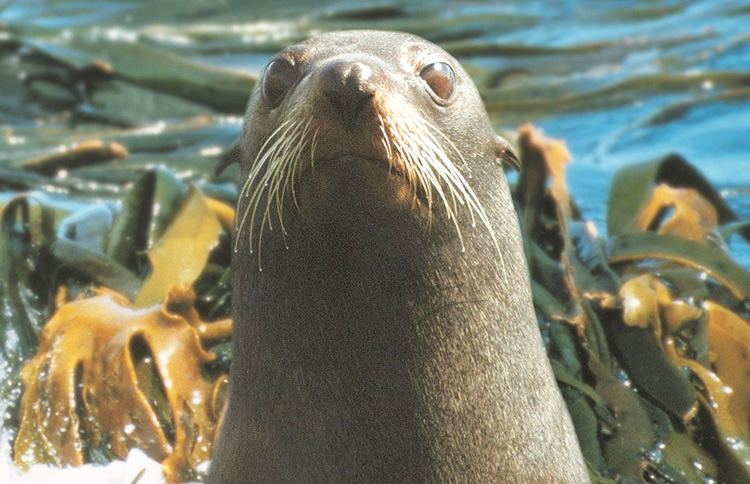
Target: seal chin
[(354, 183)]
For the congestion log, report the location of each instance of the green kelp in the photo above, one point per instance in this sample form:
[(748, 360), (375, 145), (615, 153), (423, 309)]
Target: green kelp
[(647, 332), (26, 224), (82, 65)]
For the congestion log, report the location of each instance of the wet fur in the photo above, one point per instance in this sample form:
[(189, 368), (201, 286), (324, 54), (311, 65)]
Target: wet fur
[(379, 343)]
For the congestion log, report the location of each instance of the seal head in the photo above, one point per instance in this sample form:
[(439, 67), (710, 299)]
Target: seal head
[(384, 328)]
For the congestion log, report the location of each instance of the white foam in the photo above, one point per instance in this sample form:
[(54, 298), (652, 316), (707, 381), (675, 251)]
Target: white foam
[(118, 472)]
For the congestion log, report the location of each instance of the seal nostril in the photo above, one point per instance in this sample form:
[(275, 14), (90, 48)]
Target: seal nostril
[(345, 85), (349, 102)]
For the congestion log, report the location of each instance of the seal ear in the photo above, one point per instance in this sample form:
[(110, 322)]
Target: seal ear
[(231, 156), (505, 152)]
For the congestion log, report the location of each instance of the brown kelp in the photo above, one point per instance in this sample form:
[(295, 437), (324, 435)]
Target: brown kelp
[(108, 377), (645, 330), (124, 360)]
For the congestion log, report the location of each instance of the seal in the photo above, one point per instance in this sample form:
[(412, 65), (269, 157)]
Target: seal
[(383, 321)]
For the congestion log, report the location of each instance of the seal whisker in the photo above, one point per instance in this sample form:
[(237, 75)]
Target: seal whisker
[(429, 169), (246, 186), (438, 159), (403, 151), (459, 182), (264, 183), (427, 166), (434, 158), (313, 148), (449, 168), (409, 161), (422, 160), (385, 140), (273, 179), (295, 166), (280, 179), (410, 168), (420, 176), (293, 159), (267, 158)]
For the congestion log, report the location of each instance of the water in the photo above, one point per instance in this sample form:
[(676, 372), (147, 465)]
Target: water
[(672, 61), (621, 82)]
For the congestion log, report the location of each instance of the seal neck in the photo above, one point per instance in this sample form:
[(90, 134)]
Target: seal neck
[(378, 350)]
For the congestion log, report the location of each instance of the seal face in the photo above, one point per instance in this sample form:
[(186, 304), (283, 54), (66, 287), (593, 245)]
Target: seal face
[(345, 104), (384, 329)]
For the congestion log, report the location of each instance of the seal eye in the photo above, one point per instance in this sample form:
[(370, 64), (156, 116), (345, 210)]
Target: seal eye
[(441, 79), (280, 74)]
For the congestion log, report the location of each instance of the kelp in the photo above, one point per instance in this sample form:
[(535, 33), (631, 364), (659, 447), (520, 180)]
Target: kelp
[(24, 225), (147, 209), (654, 318), (666, 250), (195, 145), (632, 188), (73, 259), (427, 22), (108, 377), (143, 66), (644, 331), (130, 75), (721, 378), (639, 246), (123, 360), (117, 253), (573, 95), (615, 47), (181, 254), (86, 153)]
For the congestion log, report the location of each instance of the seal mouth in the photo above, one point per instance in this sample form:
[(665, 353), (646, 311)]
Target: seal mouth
[(374, 161), (389, 168), (418, 163)]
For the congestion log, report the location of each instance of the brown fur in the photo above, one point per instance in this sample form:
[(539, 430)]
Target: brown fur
[(373, 346)]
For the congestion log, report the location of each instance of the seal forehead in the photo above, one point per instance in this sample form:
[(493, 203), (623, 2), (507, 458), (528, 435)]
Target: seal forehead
[(409, 49)]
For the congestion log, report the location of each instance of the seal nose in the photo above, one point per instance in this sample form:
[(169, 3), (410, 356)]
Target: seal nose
[(346, 87)]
